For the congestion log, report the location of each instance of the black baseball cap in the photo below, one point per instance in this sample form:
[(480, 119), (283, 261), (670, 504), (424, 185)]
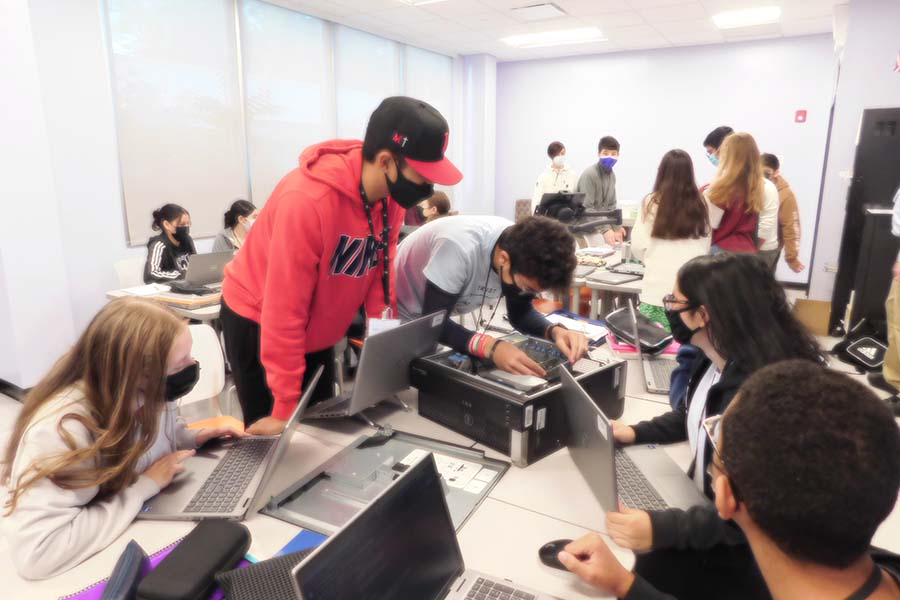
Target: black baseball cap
[(416, 131)]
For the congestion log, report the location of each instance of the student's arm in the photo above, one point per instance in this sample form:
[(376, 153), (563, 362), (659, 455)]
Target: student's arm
[(538, 193), (295, 254), (697, 528), (640, 233), (611, 202), (586, 185), (374, 302), (454, 335), (665, 429), (153, 271), (789, 217), (768, 218), (524, 317), (715, 213), (54, 529)]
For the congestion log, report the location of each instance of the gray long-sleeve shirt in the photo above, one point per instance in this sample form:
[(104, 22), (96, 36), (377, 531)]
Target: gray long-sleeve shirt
[(599, 187)]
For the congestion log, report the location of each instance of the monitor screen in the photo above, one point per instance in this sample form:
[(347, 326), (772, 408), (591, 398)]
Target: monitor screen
[(402, 546)]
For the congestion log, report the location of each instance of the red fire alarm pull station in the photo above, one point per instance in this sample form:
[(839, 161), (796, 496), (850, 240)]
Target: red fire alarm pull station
[(800, 116)]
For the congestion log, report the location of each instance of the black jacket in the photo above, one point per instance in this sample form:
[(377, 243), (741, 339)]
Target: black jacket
[(166, 261), (699, 527), (643, 590)]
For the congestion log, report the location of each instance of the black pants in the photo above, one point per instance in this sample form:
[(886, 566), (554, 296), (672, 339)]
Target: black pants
[(242, 349), (720, 572)]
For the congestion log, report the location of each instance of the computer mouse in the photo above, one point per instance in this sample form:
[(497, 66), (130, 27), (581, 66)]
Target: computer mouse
[(549, 552)]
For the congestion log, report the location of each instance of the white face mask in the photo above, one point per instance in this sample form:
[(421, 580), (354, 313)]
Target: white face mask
[(559, 161), (249, 223)]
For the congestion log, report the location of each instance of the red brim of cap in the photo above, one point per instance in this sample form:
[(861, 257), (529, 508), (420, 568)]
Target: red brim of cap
[(442, 172)]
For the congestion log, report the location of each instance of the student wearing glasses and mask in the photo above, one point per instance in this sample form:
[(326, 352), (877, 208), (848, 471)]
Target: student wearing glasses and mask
[(811, 536), (461, 264), (731, 308)]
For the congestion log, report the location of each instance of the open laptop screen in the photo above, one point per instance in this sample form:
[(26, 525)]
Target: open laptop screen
[(402, 546)]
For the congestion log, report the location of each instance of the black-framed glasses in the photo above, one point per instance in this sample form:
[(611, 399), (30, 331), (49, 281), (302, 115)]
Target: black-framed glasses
[(671, 303)]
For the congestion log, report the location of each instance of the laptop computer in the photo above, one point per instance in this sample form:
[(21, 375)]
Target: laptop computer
[(611, 278), (383, 367), (204, 274), (225, 480), (401, 547), (642, 476), (657, 372)]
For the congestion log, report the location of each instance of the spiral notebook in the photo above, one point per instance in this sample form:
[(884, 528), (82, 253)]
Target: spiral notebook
[(95, 591)]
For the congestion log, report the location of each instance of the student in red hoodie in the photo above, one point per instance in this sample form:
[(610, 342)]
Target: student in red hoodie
[(320, 249)]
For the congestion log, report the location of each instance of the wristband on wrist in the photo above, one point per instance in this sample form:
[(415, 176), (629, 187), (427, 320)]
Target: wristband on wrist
[(490, 355)]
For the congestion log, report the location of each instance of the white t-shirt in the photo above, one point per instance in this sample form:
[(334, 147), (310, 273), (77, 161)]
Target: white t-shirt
[(768, 218), (696, 415), (552, 181), (454, 253)]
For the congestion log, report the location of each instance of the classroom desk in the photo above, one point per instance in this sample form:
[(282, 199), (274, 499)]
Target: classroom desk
[(205, 314), (547, 500), (599, 291)]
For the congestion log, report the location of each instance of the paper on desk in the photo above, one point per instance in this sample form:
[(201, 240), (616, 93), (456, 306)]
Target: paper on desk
[(151, 289), (601, 251), (593, 332), (456, 472)]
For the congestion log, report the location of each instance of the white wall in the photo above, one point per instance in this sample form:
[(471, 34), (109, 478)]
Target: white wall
[(654, 101), (867, 80), (36, 325), (479, 129)]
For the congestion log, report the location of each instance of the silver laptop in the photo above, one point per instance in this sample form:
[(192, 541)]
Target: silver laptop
[(207, 270), (657, 372), (227, 479), (642, 476), (383, 367), (611, 278), (402, 546)]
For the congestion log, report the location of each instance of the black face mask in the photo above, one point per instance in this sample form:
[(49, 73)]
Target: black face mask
[(420, 212), (182, 233), (406, 193), (181, 383), (511, 289), (681, 332)]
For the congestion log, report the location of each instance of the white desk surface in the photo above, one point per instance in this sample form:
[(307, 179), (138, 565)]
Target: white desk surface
[(207, 313), (547, 500)]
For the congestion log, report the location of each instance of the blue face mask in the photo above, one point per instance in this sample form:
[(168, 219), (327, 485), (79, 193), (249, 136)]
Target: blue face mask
[(607, 162), (713, 159)]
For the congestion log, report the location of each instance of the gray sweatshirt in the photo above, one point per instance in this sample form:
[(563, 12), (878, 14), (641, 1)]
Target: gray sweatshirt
[(599, 186)]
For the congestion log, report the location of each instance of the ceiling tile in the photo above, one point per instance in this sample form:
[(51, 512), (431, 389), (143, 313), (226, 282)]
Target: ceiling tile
[(488, 21), (404, 15), (695, 38), (686, 28), (439, 27), (576, 50), (464, 37), (633, 33), (457, 8), (507, 4), (807, 26), (680, 12), (581, 8), (365, 6), (641, 4), (611, 20), (805, 9), (752, 33)]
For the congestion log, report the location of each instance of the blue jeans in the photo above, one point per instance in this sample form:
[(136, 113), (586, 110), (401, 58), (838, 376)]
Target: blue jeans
[(681, 376)]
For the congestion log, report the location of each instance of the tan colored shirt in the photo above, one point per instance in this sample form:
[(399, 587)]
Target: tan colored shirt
[(788, 220)]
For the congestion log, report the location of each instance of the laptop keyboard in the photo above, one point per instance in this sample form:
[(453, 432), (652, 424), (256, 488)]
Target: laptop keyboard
[(661, 371), (226, 484), (485, 589), (634, 489)]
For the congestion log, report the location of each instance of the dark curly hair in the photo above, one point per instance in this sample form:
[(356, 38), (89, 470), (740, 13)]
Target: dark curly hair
[(541, 248), (750, 320), (816, 457)]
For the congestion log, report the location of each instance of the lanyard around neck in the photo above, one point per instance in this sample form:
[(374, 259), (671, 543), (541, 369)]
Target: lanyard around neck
[(380, 244), (868, 588)]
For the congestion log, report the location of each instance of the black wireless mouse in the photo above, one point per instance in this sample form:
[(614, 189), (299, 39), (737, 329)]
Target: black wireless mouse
[(549, 551)]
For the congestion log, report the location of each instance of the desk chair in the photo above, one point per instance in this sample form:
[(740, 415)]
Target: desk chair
[(206, 397), (130, 271)]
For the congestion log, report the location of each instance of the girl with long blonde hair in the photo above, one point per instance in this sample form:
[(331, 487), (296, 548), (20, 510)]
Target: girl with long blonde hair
[(98, 436), (737, 195)]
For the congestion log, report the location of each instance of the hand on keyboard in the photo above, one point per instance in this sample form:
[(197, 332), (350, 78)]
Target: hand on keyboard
[(630, 528), (591, 559), (166, 468), (210, 433), (267, 426), (623, 434)]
